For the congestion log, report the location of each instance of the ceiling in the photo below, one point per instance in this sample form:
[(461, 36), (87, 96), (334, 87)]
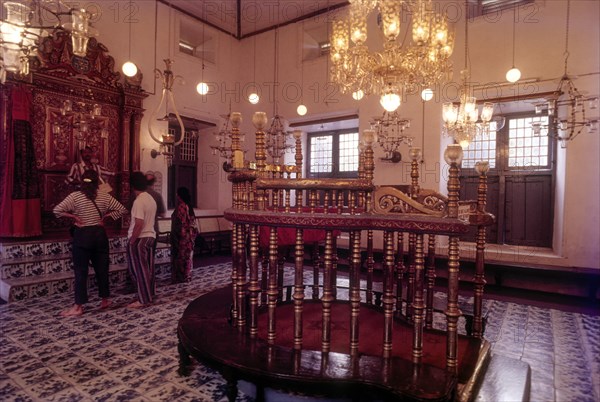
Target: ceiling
[(244, 18)]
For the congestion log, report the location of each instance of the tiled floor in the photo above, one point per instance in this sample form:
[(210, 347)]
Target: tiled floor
[(124, 355)]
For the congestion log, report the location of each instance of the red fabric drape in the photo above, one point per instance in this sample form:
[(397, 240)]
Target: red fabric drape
[(20, 212)]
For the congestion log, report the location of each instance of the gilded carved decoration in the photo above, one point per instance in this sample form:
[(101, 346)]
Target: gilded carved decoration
[(56, 76)]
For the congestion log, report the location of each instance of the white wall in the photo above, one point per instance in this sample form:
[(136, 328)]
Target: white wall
[(539, 54)]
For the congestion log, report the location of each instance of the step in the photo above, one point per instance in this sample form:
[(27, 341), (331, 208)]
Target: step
[(37, 268), (15, 289)]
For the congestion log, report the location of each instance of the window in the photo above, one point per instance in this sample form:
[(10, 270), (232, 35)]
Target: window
[(333, 154), (520, 180)]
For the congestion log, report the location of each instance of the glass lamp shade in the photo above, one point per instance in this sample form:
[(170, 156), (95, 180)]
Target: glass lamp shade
[(487, 112), (464, 143), (513, 75), (129, 69), (358, 95), (358, 25), (427, 94), (202, 88), (449, 113), (81, 31), (390, 101), (253, 98), (340, 35), (11, 57), (390, 18), (301, 110), (10, 33), (79, 44)]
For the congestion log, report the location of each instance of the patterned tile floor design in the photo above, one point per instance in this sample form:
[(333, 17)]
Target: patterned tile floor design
[(124, 355)]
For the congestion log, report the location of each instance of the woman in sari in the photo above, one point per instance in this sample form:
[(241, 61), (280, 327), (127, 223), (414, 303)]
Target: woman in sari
[(183, 236)]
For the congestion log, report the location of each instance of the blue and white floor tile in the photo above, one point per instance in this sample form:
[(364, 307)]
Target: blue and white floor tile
[(124, 355)]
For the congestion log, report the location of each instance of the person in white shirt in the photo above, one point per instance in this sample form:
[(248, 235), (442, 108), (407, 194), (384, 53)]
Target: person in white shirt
[(140, 244)]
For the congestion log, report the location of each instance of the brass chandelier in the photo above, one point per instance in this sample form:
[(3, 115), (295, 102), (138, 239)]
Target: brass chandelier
[(23, 23), (401, 66), (389, 129), (166, 142), (573, 120)]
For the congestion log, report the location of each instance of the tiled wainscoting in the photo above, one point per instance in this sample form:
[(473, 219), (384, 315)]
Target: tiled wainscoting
[(43, 268)]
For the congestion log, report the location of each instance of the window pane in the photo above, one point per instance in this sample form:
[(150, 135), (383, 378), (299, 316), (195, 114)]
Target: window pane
[(481, 149), (321, 156), (348, 152), (524, 142)]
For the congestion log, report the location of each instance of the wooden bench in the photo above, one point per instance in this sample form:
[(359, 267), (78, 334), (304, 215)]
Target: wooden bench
[(215, 234)]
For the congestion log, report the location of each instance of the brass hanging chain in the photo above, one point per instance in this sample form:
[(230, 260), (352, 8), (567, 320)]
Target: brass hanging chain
[(514, 34), (466, 33), (566, 53)]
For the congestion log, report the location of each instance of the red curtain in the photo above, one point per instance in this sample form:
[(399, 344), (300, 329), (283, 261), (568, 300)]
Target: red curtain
[(20, 212)]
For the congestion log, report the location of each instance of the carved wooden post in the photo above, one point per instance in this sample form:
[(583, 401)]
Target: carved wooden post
[(388, 292), (272, 290), (355, 261), (369, 138), (327, 298), (298, 138), (482, 168), (415, 156), (430, 277), (253, 286), (453, 156), (419, 306), (400, 268), (298, 288)]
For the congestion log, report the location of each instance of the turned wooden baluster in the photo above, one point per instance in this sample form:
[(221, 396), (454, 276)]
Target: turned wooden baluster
[(453, 156), (410, 286), (298, 288), (400, 269), (327, 298), (419, 305), (253, 285), (388, 292), (370, 266), (355, 262), (430, 277), (481, 168), (415, 156), (241, 280), (272, 290), (369, 167)]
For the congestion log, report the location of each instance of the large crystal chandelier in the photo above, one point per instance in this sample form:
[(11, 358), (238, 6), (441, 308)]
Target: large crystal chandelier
[(463, 122), (399, 66), (23, 23)]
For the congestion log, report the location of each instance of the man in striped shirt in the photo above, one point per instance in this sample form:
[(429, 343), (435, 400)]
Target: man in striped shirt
[(89, 208)]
